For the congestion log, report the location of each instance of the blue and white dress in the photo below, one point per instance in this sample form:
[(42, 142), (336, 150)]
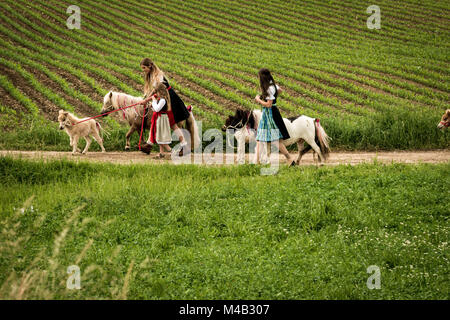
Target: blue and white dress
[(267, 129)]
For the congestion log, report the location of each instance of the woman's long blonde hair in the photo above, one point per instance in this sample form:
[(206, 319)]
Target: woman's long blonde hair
[(162, 92), (151, 77)]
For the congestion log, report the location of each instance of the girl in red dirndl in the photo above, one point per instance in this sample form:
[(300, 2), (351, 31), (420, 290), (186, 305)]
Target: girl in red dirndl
[(162, 120)]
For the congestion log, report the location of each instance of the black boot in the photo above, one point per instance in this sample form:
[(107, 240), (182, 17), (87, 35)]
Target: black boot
[(146, 148)]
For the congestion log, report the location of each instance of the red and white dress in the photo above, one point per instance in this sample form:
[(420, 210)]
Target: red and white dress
[(161, 134)]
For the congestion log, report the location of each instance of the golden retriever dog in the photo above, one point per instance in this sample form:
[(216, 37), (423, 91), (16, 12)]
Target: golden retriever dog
[(69, 123)]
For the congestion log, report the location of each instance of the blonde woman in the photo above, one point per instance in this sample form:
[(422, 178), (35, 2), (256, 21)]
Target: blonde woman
[(153, 77)]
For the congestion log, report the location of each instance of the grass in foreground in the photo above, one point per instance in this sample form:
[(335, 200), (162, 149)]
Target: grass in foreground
[(194, 232)]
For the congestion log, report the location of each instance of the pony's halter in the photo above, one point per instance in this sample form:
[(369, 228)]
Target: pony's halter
[(109, 106), (445, 124), (66, 123), (235, 127)]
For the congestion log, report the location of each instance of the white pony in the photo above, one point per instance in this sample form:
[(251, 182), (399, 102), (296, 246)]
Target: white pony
[(301, 129), (116, 100)]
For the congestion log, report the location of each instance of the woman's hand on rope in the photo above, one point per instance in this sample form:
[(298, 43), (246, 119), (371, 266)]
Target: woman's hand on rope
[(145, 101)]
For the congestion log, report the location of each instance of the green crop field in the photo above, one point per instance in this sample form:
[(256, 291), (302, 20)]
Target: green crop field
[(372, 88)]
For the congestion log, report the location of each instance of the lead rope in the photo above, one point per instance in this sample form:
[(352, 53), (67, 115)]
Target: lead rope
[(243, 125), (106, 113), (142, 128)]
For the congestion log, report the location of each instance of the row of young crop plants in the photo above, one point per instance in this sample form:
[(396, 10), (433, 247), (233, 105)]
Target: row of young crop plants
[(436, 76), (194, 12), (333, 23), (9, 87), (396, 20), (133, 68), (424, 9), (281, 16), (219, 6), (50, 57), (78, 61), (119, 16), (237, 101), (173, 32), (237, 14), (128, 74)]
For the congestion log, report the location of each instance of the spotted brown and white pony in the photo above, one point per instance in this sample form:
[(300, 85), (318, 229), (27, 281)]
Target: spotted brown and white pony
[(445, 120), (301, 129), (133, 115)]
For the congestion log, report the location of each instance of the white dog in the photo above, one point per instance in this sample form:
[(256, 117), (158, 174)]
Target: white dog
[(69, 123)]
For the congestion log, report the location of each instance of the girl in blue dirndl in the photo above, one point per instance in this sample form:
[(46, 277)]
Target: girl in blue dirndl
[(271, 127)]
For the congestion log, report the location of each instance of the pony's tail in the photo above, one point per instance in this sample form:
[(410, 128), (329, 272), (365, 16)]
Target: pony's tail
[(323, 138), (193, 130)]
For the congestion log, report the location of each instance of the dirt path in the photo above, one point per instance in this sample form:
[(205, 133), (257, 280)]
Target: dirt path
[(431, 156)]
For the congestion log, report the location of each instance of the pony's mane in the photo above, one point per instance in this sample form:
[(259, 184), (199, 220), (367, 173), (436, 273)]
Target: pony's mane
[(126, 95), (73, 118), (120, 99)]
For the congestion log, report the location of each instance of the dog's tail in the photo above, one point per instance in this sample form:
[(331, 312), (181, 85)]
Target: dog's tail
[(192, 127), (323, 138)]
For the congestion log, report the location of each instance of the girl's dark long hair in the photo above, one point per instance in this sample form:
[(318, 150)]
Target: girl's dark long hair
[(265, 81)]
